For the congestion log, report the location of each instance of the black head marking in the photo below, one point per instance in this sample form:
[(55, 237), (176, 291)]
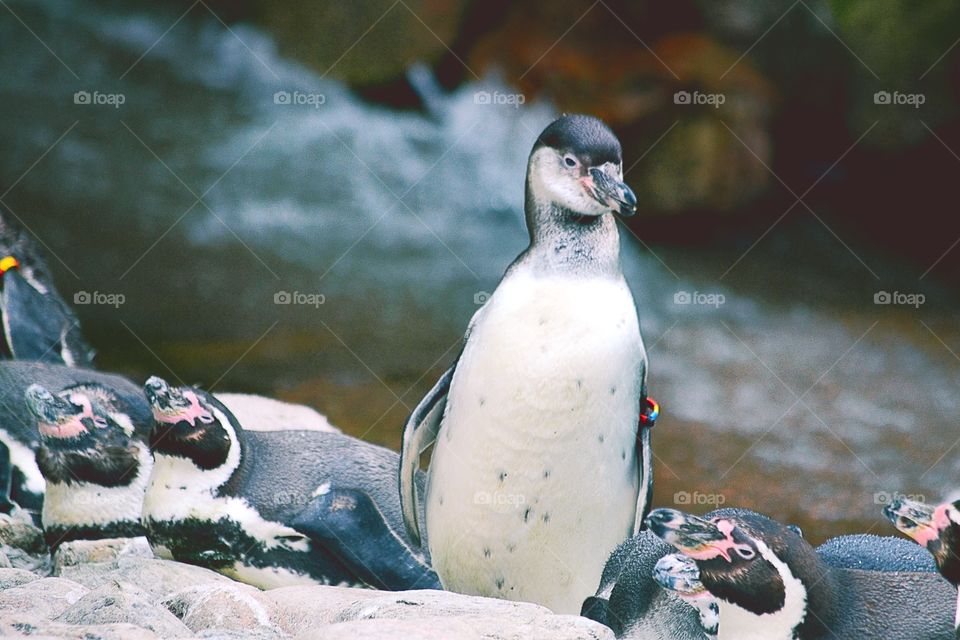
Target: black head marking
[(186, 425), (586, 137), (80, 441)]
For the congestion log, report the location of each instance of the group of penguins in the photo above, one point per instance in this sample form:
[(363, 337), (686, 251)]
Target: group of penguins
[(537, 490)]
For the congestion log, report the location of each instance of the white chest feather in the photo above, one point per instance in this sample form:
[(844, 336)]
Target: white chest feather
[(84, 503), (534, 477), (23, 457), (737, 623), (179, 491)]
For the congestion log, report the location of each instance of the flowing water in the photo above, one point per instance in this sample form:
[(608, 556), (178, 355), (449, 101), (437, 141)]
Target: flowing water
[(205, 198)]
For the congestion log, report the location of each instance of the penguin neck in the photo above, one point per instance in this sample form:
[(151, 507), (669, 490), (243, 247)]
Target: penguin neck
[(565, 242), (806, 612)]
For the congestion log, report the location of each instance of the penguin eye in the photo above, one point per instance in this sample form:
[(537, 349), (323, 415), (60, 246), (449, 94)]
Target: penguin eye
[(570, 161), (746, 553)]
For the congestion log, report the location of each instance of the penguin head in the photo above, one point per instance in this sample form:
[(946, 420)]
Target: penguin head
[(751, 562), (189, 423), (936, 528), (81, 438), (63, 418), (577, 166), (679, 573)]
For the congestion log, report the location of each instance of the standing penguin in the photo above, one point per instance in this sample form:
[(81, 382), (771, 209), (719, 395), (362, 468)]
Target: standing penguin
[(538, 472), (37, 324)]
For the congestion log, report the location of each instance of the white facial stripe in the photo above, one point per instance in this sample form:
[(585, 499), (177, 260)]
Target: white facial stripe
[(551, 181), (123, 420), (23, 458), (737, 623), (84, 503)]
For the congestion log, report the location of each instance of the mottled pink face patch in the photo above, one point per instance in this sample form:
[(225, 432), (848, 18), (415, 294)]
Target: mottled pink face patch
[(718, 548), (72, 426), (189, 414), (925, 533)]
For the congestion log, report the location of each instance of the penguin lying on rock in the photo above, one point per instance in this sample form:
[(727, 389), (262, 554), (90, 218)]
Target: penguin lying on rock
[(770, 584), (677, 573), (21, 482), (273, 508), (936, 529), (95, 467), (632, 604)]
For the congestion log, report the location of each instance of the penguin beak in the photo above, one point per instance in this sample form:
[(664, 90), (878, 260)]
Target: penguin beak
[(915, 519), (608, 189), (695, 537), (158, 393), (675, 572), (45, 406), (56, 417)]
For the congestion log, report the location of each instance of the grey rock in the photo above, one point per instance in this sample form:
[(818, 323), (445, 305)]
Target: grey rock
[(463, 628), (158, 578), (428, 603), (106, 550), (21, 625), (122, 603), (10, 578), (297, 609), (219, 607), (4, 561), (16, 533), (45, 598)]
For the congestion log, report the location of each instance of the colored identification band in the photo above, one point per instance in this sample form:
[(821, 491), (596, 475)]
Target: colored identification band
[(8, 263)]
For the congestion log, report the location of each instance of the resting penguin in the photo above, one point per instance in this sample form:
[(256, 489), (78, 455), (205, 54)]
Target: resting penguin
[(94, 465), (935, 528), (632, 604), (627, 602), (536, 471), (37, 324), (677, 573), (18, 427), (273, 508), (771, 585)]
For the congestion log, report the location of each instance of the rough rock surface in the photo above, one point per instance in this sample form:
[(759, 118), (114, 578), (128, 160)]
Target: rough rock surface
[(117, 602), (114, 589)]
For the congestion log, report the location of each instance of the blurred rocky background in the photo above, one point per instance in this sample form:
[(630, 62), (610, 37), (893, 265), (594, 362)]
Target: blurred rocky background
[(309, 200)]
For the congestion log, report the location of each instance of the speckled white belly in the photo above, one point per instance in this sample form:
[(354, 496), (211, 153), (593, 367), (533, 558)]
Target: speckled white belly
[(534, 478)]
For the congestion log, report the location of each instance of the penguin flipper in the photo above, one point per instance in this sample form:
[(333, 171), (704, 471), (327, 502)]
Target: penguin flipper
[(645, 464), (34, 324), (419, 432), (348, 524)]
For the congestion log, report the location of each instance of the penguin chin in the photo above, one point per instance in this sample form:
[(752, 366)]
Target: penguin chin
[(205, 445), (105, 463)]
